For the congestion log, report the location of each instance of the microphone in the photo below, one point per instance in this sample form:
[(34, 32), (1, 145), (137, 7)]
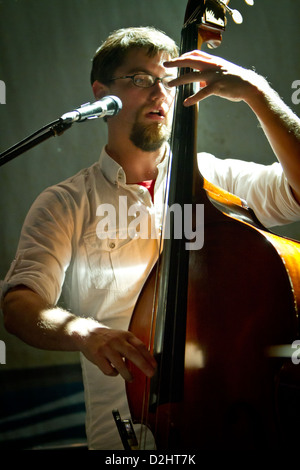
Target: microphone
[(107, 106)]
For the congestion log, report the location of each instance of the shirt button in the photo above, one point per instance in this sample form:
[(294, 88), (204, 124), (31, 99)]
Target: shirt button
[(112, 245)]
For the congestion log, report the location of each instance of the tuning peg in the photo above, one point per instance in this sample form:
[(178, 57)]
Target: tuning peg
[(235, 14)]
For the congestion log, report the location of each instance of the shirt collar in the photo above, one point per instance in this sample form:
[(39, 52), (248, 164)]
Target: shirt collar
[(115, 173), (111, 169)]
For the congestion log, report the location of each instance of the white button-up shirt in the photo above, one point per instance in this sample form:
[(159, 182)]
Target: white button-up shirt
[(81, 232), (81, 225), (65, 239)]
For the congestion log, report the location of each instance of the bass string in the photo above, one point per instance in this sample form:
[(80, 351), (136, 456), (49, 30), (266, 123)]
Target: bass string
[(146, 394)]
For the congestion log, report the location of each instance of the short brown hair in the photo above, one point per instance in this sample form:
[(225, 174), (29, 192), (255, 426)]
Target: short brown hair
[(112, 52)]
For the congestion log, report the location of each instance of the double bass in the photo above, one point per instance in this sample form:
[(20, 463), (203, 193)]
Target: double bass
[(216, 318)]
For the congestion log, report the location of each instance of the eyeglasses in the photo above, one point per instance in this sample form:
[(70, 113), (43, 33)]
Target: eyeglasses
[(144, 80)]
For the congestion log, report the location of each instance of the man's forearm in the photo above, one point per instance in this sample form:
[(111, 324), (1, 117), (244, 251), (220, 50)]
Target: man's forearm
[(28, 316), (282, 129), (31, 319)]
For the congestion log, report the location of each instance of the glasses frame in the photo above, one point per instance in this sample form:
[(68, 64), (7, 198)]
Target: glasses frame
[(155, 80)]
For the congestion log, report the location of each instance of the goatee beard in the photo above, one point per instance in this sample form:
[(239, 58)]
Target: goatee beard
[(149, 138)]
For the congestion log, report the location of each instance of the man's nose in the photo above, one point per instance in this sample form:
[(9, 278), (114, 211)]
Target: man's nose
[(158, 89)]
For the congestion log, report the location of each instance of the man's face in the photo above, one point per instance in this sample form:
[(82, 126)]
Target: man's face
[(147, 113)]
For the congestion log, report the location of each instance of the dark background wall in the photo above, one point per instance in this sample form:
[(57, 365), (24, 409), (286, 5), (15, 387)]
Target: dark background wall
[(46, 48)]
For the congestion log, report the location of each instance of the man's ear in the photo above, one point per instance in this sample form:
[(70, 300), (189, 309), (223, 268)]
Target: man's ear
[(99, 89)]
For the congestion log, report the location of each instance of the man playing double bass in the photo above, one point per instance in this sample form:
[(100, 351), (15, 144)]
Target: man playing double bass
[(60, 243)]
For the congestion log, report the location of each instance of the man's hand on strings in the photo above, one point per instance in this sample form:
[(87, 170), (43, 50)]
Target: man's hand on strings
[(216, 76), (109, 348)]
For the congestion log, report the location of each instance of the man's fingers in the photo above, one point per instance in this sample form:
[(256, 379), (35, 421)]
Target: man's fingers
[(135, 352), (202, 77), (117, 362), (198, 56), (118, 346), (106, 367), (196, 60), (141, 357)]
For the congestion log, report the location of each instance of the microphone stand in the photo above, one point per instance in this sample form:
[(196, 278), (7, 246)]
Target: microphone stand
[(109, 105), (54, 128)]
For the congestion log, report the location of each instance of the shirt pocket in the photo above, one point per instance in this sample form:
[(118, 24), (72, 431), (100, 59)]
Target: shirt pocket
[(115, 264), (100, 268)]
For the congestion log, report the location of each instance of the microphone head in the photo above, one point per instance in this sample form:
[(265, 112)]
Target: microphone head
[(106, 106), (113, 105)]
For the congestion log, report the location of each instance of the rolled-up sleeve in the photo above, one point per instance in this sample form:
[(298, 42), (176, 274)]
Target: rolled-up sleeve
[(264, 187), (45, 247)]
